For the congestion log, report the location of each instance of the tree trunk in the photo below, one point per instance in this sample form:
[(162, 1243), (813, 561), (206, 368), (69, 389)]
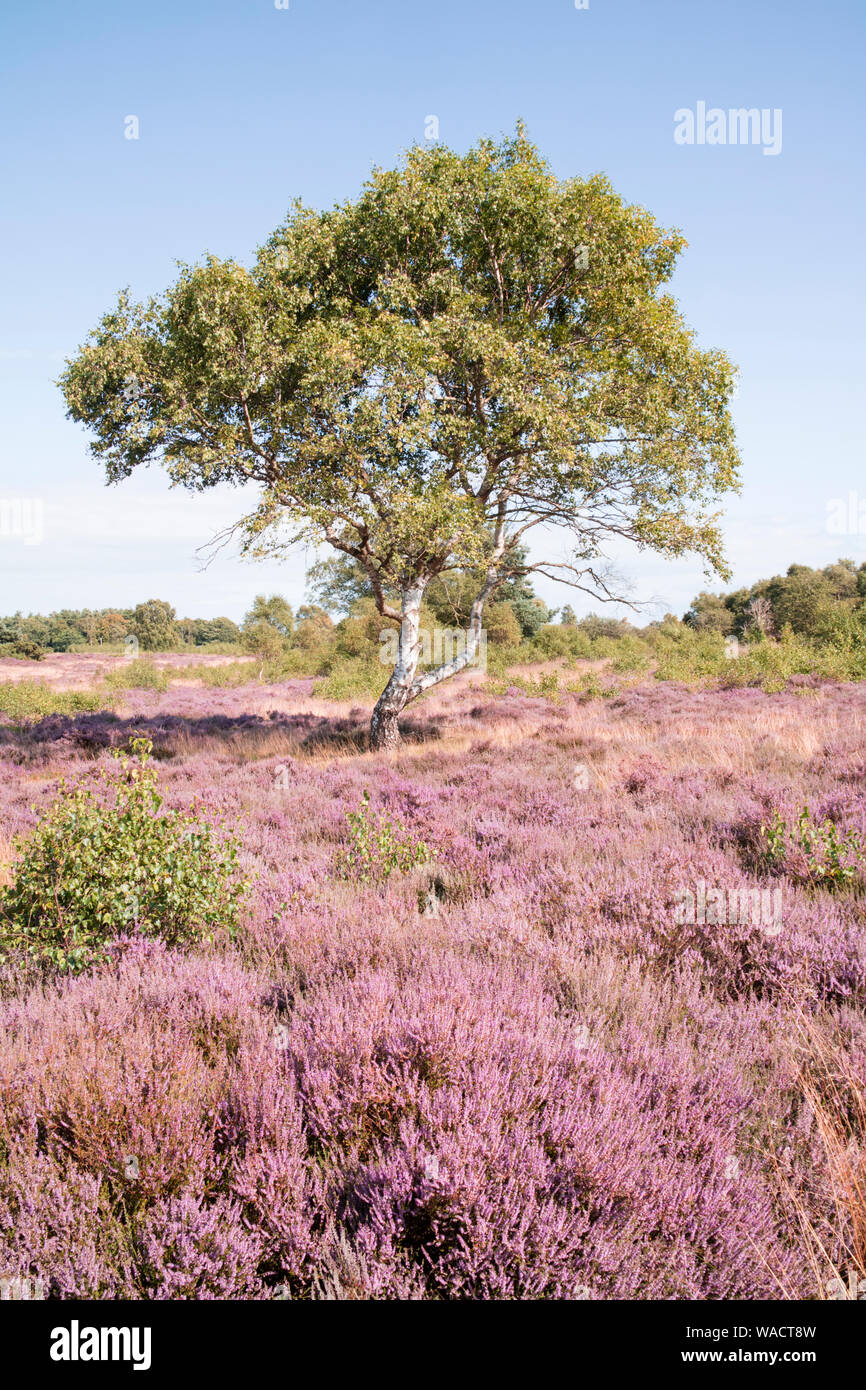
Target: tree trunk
[(384, 727), (404, 685)]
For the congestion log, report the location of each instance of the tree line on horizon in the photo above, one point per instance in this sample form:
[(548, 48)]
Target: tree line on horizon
[(807, 602)]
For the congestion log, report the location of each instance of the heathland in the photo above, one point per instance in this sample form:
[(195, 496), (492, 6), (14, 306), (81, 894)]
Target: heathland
[(501, 1014)]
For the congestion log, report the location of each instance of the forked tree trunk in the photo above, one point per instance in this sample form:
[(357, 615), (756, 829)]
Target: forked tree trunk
[(404, 684), (384, 728)]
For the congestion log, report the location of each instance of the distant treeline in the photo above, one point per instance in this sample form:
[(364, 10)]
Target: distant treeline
[(819, 605), (340, 587), (814, 603), (154, 625)]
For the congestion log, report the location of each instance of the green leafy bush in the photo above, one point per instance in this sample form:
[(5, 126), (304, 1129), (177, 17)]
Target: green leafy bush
[(106, 863), (378, 847), (27, 700), (817, 854), (349, 680), (229, 676), (140, 674), (546, 686)]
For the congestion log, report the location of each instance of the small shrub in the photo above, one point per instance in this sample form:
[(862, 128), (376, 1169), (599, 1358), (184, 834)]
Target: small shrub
[(101, 865), (228, 677), (832, 858), (379, 847), (546, 687), (351, 679), (27, 700), (589, 687), (141, 674), (816, 854)]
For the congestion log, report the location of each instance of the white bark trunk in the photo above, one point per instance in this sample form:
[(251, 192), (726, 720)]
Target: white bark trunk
[(384, 728)]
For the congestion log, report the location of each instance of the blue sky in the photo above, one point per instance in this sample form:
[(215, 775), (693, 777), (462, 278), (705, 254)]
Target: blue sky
[(243, 107)]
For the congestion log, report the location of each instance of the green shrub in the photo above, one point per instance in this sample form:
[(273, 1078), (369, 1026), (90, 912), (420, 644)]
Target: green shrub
[(378, 847), (229, 676), (102, 865), (23, 649), (347, 680), (27, 700), (588, 686), (546, 687), (828, 858), (140, 674)]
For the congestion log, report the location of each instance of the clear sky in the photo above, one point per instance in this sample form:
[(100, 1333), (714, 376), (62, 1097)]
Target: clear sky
[(242, 107)]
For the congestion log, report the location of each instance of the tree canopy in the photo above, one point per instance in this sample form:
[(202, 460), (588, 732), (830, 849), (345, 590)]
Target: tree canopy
[(470, 350)]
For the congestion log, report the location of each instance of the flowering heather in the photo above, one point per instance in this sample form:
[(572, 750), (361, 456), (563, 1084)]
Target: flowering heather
[(514, 1067)]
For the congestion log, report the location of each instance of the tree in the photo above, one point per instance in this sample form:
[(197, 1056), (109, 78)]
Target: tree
[(470, 350), (502, 625), (275, 611), (710, 613), (759, 616), (215, 630), (155, 625), (803, 599), (314, 626), (567, 616), (113, 627), (338, 583)]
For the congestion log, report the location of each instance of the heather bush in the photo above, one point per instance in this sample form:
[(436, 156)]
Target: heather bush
[(100, 865), (474, 1138), (513, 1067)]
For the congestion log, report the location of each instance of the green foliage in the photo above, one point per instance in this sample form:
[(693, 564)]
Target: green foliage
[(229, 676), (209, 632), (559, 640), (589, 687), (631, 656), (709, 612), (378, 847), (140, 674), (107, 863), (315, 628), (811, 603), (829, 858), (26, 700), (546, 686), (469, 345), (352, 679), (155, 626), (274, 612), (833, 859), (774, 838)]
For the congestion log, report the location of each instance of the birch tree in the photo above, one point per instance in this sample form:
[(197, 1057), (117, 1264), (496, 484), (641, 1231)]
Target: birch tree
[(470, 358)]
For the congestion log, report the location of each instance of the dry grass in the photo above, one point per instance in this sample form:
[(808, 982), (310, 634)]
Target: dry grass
[(7, 857), (835, 1093)]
